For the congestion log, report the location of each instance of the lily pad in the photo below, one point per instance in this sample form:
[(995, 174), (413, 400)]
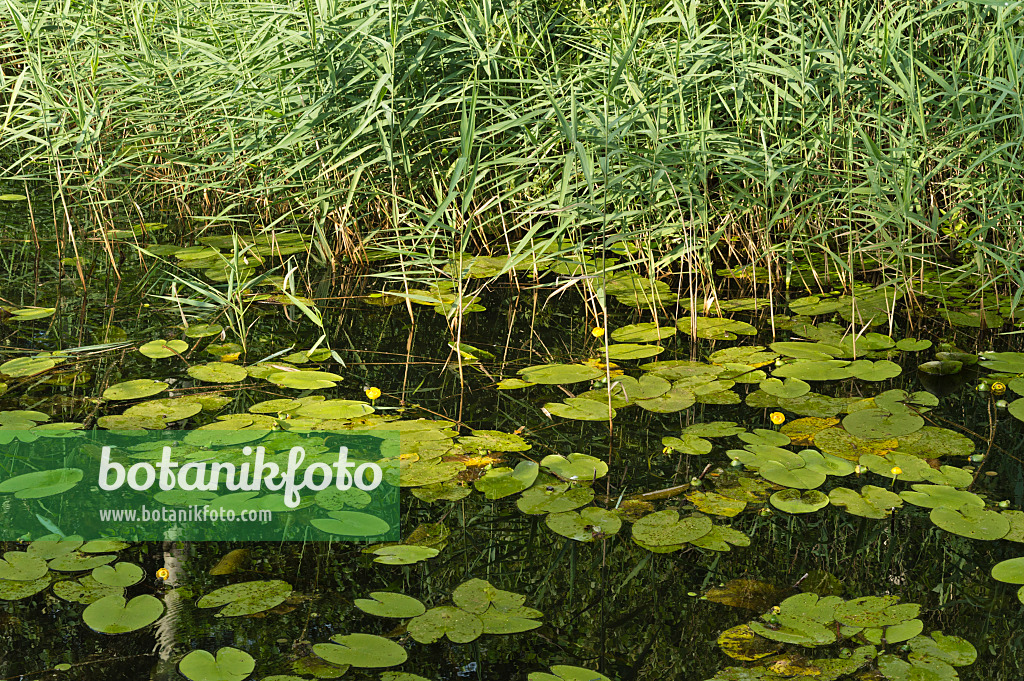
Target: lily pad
[(970, 521), (304, 380), (626, 351), (560, 374), (575, 467), (791, 387), (246, 598), (581, 409), (666, 528), (230, 664), (457, 624), (42, 483), (799, 501), (498, 483), (403, 554), (875, 611), (361, 650), (645, 332), (870, 502), (172, 409), (589, 524), (714, 328), (19, 566), (113, 615), (878, 424), (134, 390), (161, 349), (550, 499), (388, 604), (562, 672), (85, 590), (27, 366), (14, 590), (952, 650), (688, 444), (1009, 571), (218, 372), (714, 503), (815, 370), (119, 574)]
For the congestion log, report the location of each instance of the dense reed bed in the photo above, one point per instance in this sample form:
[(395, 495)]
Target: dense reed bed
[(881, 134)]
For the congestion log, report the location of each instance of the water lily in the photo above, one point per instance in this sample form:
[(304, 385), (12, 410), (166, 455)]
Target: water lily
[(372, 393), (163, 573), (777, 417), (997, 388), (597, 331)]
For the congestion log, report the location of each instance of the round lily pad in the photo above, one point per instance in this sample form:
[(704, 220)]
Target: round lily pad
[(675, 399), (563, 672), (1009, 571), (688, 443), (458, 625), (78, 562), (878, 424), (14, 590), (230, 664), (113, 615), (589, 524), (203, 330), (27, 366), (494, 441), (645, 332), (160, 349), (403, 554), (218, 372), (42, 483), (870, 502), (799, 501), (388, 604), (172, 409), (134, 390), (666, 528), (791, 387), (304, 380), (815, 370), (970, 521), (119, 574), (550, 499), (582, 409), (85, 590), (498, 483), (714, 328), (560, 374), (952, 650), (20, 566), (351, 524), (714, 503), (626, 351), (575, 467), (246, 598)]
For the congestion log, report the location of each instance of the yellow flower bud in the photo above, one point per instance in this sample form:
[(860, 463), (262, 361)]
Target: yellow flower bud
[(597, 331), (896, 470), (777, 417), (372, 393)]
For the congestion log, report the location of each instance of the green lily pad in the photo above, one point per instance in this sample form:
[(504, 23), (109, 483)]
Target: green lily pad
[(550, 499), (218, 372), (304, 380), (714, 503), (763, 436), (246, 598), (970, 521), (498, 483), (513, 622), (14, 590), (626, 351), (351, 524), (878, 424), (792, 629), (882, 370), (809, 351), (230, 664), (458, 625), (403, 554), (798, 478), (946, 367), (871, 502), (42, 483), (666, 528), (113, 615), (494, 441), (645, 332), (19, 566), (875, 611), (581, 409), (562, 672), (203, 330), (952, 650), (720, 538), (161, 349), (119, 574), (714, 429), (560, 374), (134, 390), (27, 366), (388, 604), (589, 524), (575, 467), (1008, 362), (913, 345), (714, 328), (171, 409), (687, 444), (52, 546), (815, 370), (791, 387), (675, 399), (85, 590), (799, 501), (78, 562), (1009, 571)]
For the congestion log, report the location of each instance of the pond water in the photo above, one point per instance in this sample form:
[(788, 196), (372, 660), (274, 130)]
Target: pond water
[(826, 533)]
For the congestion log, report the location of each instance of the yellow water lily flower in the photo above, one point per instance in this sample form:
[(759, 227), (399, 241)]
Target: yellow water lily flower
[(372, 393), (777, 417), (163, 573), (896, 470), (997, 388), (597, 331)]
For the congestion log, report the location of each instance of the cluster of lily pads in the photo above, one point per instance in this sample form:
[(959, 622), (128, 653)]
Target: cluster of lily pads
[(868, 630)]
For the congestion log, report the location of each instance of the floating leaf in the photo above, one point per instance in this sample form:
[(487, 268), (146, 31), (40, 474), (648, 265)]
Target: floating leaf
[(133, 390), (41, 483), (458, 625), (361, 650), (561, 672), (870, 502), (246, 598), (119, 574), (799, 501), (171, 409), (552, 499), (581, 409), (560, 374), (218, 372), (791, 387), (666, 528), (626, 351), (952, 650), (388, 604), (878, 424), (161, 349), (716, 504), (646, 332), (113, 615), (714, 328), (816, 370), (741, 643), (304, 380), (403, 554), (970, 521), (589, 524), (498, 483), (20, 566), (230, 664), (581, 467), (27, 366), (687, 444), (913, 345)]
